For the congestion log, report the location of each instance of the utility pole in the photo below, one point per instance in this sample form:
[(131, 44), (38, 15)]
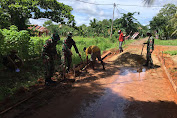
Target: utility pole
[(112, 20)]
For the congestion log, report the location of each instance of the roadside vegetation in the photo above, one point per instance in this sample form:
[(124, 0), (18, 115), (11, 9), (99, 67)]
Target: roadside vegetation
[(166, 42), (165, 22), (33, 64), (14, 17), (172, 52)]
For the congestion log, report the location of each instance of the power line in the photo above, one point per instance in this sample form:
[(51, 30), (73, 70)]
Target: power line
[(135, 14), (92, 3), (118, 11), (138, 5), (124, 10), (118, 4)]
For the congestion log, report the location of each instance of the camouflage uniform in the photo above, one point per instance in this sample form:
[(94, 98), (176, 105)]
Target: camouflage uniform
[(150, 47), (66, 51), (49, 53)]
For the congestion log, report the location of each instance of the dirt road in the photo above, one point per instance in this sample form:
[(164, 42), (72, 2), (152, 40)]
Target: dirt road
[(125, 90)]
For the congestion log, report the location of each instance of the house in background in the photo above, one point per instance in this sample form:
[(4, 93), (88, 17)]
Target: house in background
[(39, 30)]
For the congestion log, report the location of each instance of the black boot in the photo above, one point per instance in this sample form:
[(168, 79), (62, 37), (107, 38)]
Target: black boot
[(151, 66), (49, 82), (103, 65), (146, 64), (92, 65)]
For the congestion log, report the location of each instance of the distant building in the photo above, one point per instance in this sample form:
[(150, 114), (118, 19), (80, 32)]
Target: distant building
[(39, 30)]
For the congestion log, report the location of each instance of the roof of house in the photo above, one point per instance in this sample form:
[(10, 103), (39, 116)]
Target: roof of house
[(38, 28)]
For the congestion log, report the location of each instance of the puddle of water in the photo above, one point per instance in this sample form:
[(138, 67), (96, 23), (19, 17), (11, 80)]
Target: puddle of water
[(128, 75), (112, 104)]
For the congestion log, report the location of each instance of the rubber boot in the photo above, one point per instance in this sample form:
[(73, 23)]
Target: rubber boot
[(151, 65), (103, 65), (48, 81), (92, 65)]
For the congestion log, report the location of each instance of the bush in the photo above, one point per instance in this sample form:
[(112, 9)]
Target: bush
[(14, 39), (36, 45)]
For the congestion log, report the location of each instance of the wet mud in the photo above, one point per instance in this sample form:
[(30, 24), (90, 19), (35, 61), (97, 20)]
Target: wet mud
[(111, 104)]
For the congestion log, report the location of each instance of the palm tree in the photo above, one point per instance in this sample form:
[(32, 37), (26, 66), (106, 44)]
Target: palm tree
[(174, 23), (149, 2)]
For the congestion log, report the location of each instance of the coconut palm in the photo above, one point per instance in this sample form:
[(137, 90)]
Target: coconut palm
[(148, 2), (174, 23)]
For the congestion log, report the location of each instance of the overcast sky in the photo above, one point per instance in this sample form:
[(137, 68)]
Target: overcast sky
[(84, 12)]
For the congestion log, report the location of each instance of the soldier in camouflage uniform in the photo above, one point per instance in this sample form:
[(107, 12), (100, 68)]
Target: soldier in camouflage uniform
[(66, 51), (150, 48), (48, 55)]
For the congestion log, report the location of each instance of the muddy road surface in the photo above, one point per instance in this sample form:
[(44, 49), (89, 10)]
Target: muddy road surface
[(125, 90)]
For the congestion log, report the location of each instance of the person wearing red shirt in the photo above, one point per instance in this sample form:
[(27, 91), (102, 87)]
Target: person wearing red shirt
[(121, 39)]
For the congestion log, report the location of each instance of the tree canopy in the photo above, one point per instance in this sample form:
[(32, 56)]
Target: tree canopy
[(17, 12), (164, 22)]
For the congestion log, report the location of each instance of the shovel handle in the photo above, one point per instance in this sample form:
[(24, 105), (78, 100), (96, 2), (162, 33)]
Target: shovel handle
[(142, 49)]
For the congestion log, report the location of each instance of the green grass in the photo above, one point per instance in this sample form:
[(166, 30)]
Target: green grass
[(173, 52), (166, 42)]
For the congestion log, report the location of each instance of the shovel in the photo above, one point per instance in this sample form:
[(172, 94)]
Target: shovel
[(142, 49)]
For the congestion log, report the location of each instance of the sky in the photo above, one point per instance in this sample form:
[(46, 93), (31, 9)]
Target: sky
[(84, 12)]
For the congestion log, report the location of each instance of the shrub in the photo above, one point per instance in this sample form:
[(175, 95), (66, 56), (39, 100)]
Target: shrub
[(14, 39)]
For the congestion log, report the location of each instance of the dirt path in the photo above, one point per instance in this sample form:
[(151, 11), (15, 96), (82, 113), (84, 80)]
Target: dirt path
[(125, 90)]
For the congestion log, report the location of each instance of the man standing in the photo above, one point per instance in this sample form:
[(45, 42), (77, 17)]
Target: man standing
[(121, 39), (67, 54), (95, 52), (48, 55), (150, 48)]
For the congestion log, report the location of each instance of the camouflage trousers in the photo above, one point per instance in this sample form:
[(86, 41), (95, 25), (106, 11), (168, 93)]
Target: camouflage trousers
[(149, 61), (49, 68), (66, 60)]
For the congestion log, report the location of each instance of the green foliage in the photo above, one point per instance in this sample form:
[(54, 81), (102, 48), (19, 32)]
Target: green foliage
[(17, 12), (115, 36), (129, 25), (36, 45), (164, 22), (173, 22), (64, 29), (128, 22), (1, 40), (4, 21), (173, 52), (51, 27), (14, 39)]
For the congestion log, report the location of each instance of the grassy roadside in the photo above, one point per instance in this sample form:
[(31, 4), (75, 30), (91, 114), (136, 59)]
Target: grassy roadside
[(10, 82), (166, 42), (173, 52), (169, 43)]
